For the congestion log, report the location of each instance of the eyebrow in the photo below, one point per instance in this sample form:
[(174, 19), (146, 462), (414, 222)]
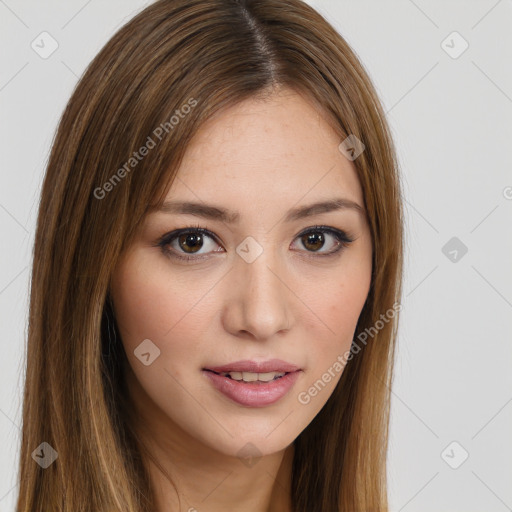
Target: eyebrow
[(233, 217)]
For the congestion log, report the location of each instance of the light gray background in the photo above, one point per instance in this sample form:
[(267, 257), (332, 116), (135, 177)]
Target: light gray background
[(452, 122)]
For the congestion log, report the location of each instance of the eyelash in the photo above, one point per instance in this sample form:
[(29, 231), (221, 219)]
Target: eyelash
[(342, 237)]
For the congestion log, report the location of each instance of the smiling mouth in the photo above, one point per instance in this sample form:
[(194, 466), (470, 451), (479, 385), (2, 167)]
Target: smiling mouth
[(251, 377), (263, 385)]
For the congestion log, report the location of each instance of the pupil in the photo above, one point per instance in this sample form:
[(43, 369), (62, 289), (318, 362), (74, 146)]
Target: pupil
[(190, 241), (314, 241)]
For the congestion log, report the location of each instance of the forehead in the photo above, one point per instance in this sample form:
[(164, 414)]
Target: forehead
[(266, 151)]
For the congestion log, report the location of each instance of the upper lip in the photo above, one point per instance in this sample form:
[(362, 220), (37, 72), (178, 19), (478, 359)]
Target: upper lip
[(272, 365)]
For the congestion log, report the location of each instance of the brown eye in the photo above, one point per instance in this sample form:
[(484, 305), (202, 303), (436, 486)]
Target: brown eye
[(313, 241), (190, 242), (323, 241), (198, 243)]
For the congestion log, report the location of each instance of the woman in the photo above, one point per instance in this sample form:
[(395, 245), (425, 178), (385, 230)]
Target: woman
[(217, 270)]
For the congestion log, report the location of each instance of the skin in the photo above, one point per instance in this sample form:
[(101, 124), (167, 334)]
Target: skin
[(261, 158)]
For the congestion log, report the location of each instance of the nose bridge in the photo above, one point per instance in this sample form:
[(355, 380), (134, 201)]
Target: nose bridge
[(261, 299)]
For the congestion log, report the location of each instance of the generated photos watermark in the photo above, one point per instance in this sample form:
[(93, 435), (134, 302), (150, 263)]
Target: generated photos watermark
[(156, 136), (304, 397)]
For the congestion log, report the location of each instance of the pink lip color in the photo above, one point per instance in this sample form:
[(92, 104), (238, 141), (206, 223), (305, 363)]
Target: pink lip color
[(253, 394)]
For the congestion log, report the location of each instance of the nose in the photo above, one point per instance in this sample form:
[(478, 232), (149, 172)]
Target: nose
[(257, 305)]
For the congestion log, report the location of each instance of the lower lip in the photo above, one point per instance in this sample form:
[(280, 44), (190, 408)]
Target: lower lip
[(253, 394)]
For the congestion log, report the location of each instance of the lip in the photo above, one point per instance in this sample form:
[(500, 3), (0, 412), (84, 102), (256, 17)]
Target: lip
[(253, 394), (271, 365)]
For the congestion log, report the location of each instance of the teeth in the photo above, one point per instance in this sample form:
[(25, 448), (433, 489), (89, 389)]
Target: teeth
[(267, 377), (253, 377)]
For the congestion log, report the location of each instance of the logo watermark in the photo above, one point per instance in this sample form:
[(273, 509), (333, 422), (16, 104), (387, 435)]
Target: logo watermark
[(158, 133), (304, 397)]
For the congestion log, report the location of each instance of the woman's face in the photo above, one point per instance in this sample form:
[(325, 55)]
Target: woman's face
[(264, 294)]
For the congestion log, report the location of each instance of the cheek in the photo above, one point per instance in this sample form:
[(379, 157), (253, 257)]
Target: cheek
[(150, 305), (334, 311), (345, 302)]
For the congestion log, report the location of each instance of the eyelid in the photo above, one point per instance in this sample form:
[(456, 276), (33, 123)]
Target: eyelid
[(343, 234), (167, 237)]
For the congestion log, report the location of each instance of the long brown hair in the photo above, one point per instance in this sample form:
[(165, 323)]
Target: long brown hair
[(209, 55)]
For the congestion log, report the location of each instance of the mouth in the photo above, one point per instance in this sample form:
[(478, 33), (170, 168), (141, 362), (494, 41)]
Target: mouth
[(248, 366), (253, 384), (257, 378)]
